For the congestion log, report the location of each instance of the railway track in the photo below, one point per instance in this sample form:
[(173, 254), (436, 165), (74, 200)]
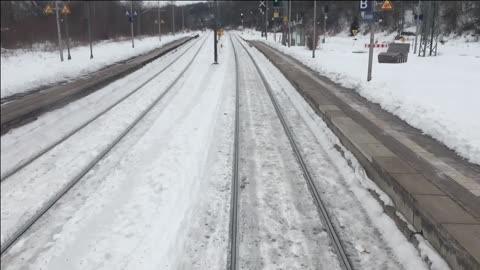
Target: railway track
[(322, 209), (51, 202), (27, 161)]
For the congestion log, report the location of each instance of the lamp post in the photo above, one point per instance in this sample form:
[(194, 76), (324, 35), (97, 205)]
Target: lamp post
[(59, 33)]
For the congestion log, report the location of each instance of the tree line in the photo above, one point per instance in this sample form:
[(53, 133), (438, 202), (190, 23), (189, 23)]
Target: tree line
[(24, 23)]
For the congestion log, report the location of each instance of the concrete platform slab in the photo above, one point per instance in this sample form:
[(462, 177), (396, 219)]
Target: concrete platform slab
[(434, 188)]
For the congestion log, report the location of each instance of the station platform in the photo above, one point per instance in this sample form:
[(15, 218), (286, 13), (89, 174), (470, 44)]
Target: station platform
[(17, 111), (437, 191)]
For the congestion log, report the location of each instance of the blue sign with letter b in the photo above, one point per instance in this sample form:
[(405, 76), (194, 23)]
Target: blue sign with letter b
[(366, 5)]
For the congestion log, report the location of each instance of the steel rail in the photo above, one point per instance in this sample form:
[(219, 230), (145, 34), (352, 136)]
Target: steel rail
[(27, 161), (8, 243), (337, 243), (232, 262)]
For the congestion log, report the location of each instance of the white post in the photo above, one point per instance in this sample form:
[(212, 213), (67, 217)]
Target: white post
[(372, 40)]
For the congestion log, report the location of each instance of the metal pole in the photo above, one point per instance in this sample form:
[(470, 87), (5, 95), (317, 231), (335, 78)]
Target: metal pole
[(417, 24), (183, 21), (314, 43), (131, 21), (67, 36), (266, 19), (90, 29), (289, 19), (324, 25), (215, 26), (370, 51), (432, 14), (159, 23), (173, 20), (59, 34)]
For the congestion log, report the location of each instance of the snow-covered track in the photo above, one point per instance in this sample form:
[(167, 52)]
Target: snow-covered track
[(27, 161), (336, 241), (232, 260), (51, 202)]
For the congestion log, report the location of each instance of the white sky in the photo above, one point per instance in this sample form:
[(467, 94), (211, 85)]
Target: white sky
[(164, 3)]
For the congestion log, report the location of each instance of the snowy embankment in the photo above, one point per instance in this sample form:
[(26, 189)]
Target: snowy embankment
[(438, 95), (24, 70)]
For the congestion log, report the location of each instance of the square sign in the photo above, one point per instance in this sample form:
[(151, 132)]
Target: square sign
[(366, 6)]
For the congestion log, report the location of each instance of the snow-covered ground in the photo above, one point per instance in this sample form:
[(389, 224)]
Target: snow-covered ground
[(372, 239), (438, 95), (161, 198), (24, 70)]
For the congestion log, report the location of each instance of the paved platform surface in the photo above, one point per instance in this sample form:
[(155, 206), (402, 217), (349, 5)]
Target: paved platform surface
[(434, 188), (28, 107)]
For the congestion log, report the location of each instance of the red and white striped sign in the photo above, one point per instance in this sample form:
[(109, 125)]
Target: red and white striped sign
[(377, 45)]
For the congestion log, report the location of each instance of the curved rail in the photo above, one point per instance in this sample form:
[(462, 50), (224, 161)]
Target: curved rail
[(31, 159), (9, 242), (340, 250)]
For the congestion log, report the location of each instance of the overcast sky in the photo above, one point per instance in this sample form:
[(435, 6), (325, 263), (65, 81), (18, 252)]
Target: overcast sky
[(164, 3)]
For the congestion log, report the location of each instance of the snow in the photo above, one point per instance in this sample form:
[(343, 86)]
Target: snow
[(25, 70), (438, 95), (360, 217), (53, 171), (161, 198), (21, 144)]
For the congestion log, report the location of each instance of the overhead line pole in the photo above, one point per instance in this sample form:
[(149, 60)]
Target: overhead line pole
[(159, 22), (173, 19), (314, 38), (90, 29), (67, 35), (289, 20), (266, 20), (131, 22), (59, 33)]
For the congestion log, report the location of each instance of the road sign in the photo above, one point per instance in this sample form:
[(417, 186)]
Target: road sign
[(66, 10), (354, 32), (387, 5), (262, 4), (368, 16), (276, 3), (275, 14), (366, 5), (48, 9)]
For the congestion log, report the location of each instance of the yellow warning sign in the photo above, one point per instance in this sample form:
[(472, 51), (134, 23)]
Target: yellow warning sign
[(66, 10), (275, 14), (354, 32), (387, 5), (48, 9), (285, 19)]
